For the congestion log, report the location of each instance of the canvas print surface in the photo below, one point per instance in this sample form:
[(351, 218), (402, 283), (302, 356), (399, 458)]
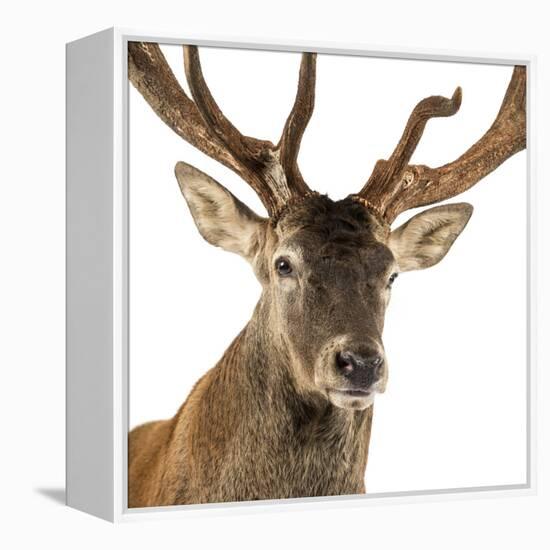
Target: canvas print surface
[(327, 275)]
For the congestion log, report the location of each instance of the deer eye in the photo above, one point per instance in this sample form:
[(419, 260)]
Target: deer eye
[(392, 278), (283, 267)]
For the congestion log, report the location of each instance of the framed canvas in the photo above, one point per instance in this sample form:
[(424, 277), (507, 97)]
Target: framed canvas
[(230, 331)]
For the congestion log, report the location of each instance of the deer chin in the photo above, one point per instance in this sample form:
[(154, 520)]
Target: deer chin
[(357, 400)]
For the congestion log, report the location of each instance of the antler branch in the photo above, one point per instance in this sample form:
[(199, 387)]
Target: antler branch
[(291, 138), (151, 75), (395, 186), (270, 170)]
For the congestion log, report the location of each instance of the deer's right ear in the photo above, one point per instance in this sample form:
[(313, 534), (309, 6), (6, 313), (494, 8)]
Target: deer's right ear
[(221, 218)]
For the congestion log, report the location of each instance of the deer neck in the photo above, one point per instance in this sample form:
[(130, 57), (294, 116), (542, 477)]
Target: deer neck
[(249, 415), (274, 388)]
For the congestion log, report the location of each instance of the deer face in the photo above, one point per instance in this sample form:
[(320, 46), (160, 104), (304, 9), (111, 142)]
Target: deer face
[(330, 278), (327, 269)]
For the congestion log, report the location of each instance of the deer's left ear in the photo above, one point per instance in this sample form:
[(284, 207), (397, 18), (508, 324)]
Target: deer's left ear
[(425, 239), (221, 218)]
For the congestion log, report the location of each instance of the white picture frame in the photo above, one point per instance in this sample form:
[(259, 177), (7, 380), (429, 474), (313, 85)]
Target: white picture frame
[(97, 306)]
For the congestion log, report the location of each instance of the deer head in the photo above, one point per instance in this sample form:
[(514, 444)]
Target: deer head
[(326, 267)]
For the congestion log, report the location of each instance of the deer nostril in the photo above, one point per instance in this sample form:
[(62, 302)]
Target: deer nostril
[(345, 362)]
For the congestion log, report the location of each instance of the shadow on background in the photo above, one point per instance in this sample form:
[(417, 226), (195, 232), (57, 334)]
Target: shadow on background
[(57, 494)]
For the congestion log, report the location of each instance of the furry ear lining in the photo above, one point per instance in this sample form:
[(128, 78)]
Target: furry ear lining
[(220, 217), (426, 238)]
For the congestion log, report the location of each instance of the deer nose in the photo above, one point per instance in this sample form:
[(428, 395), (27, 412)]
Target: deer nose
[(362, 369)]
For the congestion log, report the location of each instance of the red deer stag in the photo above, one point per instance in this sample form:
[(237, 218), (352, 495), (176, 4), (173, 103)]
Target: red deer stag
[(287, 410)]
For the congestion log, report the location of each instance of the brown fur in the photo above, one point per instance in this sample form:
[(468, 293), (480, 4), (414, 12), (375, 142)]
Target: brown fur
[(261, 424), (260, 441)]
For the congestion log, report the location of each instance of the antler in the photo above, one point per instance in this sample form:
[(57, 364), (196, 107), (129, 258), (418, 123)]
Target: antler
[(272, 171), (394, 186)]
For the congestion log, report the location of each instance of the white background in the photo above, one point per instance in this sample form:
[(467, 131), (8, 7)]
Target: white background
[(454, 411), (32, 278)]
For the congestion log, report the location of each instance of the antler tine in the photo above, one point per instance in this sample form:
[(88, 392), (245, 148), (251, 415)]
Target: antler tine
[(430, 107), (297, 121), (383, 182), (243, 148), (395, 186)]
